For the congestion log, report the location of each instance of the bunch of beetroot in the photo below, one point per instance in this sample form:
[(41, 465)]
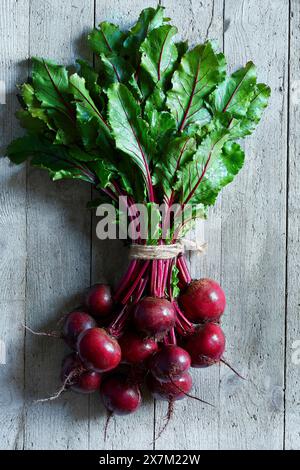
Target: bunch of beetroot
[(142, 335)]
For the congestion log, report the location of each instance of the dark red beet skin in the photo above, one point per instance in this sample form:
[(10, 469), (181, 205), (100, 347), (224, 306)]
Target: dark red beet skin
[(98, 350), (154, 316), (136, 349), (120, 396), (99, 300), (203, 300), (206, 346), (170, 391), (170, 362), (75, 323), (80, 379)]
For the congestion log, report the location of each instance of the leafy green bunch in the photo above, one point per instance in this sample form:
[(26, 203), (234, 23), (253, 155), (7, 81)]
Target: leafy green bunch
[(152, 119)]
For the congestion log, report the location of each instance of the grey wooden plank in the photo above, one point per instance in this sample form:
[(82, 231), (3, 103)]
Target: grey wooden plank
[(195, 426), (13, 49), (253, 240), (109, 260), (58, 230), (292, 394)]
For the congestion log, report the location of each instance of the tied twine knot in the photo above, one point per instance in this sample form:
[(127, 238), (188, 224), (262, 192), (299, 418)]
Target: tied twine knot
[(153, 252)]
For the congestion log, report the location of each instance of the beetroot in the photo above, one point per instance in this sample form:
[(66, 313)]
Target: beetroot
[(75, 323), (77, 377), (98, 350), (99, 300), (170, 363), (206, 346), (154, 316), (119, 396), (136, 349), (172, 390), (203, 300)]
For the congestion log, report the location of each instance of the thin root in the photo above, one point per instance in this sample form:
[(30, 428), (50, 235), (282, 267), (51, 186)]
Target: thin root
[(108, 418), (66, 384), (231, 368), (53, 334), (188, 395), (167, 419)]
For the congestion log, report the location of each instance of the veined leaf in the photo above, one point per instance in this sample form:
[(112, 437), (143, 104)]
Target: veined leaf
[(51, 86), (90, 120), (200, 70), (91, 79), (117, 70), (240, 127), (193, 179), (176, 155), (159, 52), (130, 130), (108, 39), (57, 159), (149, 19), (235, 93)]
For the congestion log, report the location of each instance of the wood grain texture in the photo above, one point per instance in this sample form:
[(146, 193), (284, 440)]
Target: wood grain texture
[(292, 398), (13, 51), (109, 260), (200, 431), (253, 240), (58, 241)]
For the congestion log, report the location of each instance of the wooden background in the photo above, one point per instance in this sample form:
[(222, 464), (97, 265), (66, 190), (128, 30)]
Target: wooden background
[(48, 251)]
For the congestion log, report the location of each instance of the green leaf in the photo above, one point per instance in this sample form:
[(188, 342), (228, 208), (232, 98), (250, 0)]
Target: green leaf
[(176, 155), (104, 172), (215, 164), (235, 93), (90, 120), (149, 19), (175, 281), (107, 40), (130, 131), (159, 52), (116, 69), (200, 70), (241, 127), (162, 127), (51, 86), (31, 124), (194, 180), (91, 79), (57, 159)]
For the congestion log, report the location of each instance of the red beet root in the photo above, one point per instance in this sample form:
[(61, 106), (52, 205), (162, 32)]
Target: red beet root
[(78, 378), (136, 349), (98, 350), (171, 391), (154, 316), (99, 300), (206, 346), (120, 396), (203, 300), (75, 323), (170, 363)]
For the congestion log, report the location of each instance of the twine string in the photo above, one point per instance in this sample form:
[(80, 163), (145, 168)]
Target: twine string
[(153, 252)]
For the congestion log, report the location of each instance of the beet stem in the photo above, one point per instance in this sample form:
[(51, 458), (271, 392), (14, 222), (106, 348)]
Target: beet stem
[(135, 283)]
